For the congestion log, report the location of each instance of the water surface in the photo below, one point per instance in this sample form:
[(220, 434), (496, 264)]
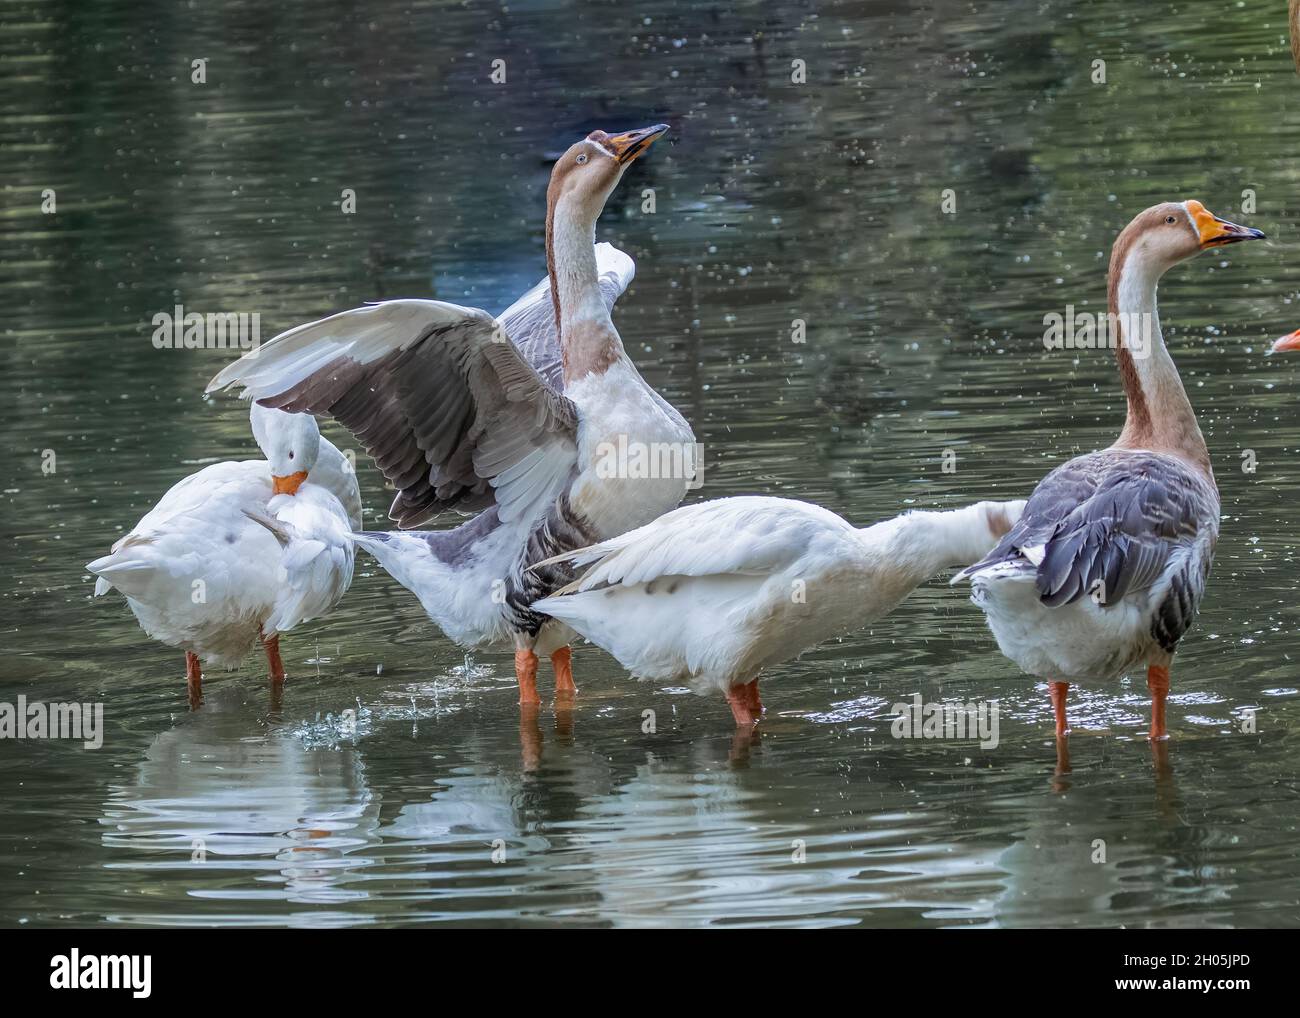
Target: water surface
[(434, 801)]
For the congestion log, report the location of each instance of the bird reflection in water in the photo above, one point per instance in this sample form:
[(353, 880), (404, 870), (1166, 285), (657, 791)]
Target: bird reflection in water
[(530, 731), (1162, 770), (743, 742), (1060, 777), (230, 808)]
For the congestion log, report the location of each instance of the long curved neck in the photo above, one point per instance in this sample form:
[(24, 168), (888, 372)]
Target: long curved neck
[(921, 543), (1160, 416), (333, 470), (588, 340)]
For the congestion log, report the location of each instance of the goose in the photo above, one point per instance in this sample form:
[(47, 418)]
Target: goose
[(715, 592), (1107, 566), (465, 412), (241, 552)]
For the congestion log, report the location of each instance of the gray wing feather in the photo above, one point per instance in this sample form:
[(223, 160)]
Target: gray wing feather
[(1112, 523), (441, 400)]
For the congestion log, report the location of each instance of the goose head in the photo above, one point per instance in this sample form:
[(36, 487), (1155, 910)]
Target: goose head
[(290, 443), (584, 176), (1166, 234)]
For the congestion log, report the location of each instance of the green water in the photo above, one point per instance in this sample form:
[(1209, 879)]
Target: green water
[(775, 201)]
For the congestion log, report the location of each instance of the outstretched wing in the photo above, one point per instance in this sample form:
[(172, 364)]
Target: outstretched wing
[(530, 321), (441, 399), (691, 595), (1115, 523)]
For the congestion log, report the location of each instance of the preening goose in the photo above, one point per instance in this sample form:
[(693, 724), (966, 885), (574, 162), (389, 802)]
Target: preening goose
[(241, 552), (713, 593), (1106, 568), (457, 418)]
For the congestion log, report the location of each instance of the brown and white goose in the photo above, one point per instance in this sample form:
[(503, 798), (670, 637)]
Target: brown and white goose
[(455, 415), (1106, 567)]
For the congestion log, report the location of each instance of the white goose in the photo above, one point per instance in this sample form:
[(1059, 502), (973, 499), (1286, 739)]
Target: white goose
[(713, 593), (446, 401), (241, 552), (1106, 568)]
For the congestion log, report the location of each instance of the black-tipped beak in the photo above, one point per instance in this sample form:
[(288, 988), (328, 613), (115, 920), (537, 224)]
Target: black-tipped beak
[(1216, 232), (1225, 232), (630, 144)]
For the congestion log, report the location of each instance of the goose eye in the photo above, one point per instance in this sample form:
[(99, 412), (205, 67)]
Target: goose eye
[(291, 454), (1169, 219), (582, 158)]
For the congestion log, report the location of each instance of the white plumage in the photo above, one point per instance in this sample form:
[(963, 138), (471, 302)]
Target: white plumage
[(518, 419), (713, 593), (223, 560)]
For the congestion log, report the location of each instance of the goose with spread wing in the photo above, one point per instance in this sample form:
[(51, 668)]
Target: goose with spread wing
[(516, 419), (242, 552), (713, 593), (1106, 569)]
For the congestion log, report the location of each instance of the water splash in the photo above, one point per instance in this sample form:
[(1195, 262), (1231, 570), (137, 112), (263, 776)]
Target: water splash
[(332, 731)]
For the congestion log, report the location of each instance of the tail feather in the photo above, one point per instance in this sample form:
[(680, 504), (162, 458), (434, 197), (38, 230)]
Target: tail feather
[(578, 557), (129, 575), (393, 551), (368, 539), (1004, 565), (281, 531), (1002, 519)]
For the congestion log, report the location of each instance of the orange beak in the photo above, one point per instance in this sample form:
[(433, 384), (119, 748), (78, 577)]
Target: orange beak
[(289, 484), (1286, 343), (629, 145), (1216, 232)]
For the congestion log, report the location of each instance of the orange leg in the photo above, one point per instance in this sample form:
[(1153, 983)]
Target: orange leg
[(272, 647), (1059, 691), (1163, 772), (738, 698), (526, 673), (1062, 759), (1158, 683), (530, 736), (562, 662), (755, 704), (194, 679)]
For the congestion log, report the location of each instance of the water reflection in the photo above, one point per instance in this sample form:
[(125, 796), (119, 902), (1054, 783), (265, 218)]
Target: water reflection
[(228, 810), (598, 822), (775, 202)]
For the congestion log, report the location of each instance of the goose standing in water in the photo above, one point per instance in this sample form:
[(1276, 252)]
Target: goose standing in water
[(446, 401), (241, 552), (713, 593), (1106, 568)]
